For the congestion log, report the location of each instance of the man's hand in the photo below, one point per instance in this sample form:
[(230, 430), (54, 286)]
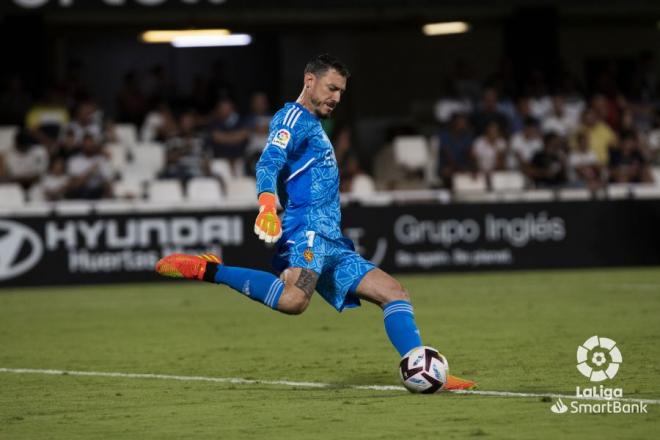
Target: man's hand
[(268, 226)]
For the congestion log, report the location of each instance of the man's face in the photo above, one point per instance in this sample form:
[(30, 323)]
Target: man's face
[(325, 91)]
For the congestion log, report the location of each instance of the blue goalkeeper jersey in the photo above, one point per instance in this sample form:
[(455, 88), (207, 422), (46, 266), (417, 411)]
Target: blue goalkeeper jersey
[(299, 165)]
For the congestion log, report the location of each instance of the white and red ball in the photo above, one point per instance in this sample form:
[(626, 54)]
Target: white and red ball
[(424, 370)]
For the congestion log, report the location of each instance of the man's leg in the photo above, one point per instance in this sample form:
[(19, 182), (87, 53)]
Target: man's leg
[(289, 294), (382, 289)]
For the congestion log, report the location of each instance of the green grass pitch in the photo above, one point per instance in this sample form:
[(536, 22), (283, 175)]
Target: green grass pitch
[(510, 331)]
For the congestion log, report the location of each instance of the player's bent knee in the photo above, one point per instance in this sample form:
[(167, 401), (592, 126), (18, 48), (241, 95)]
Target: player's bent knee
[(399, 294), (292, 302)]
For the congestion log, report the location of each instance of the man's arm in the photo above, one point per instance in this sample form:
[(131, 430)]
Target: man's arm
[(268, 226)]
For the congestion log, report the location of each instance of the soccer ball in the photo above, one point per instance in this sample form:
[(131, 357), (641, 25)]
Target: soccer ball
[(424, 370)]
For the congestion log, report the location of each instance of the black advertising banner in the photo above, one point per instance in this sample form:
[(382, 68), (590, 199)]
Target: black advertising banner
[(406, 238)]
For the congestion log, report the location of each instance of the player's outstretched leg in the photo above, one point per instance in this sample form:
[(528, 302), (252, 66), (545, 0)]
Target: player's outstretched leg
[(291, 296), (382, 289)]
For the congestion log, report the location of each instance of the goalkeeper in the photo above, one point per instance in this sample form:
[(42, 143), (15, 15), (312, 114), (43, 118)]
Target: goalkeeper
[(298, 168)]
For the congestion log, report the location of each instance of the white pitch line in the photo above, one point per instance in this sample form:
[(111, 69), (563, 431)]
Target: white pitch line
[(240, 381)]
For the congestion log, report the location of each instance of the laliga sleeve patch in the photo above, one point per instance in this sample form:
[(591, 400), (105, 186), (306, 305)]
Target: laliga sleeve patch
[(281, 138)]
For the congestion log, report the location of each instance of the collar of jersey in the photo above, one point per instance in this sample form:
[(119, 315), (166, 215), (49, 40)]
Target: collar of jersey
[(302, 107)]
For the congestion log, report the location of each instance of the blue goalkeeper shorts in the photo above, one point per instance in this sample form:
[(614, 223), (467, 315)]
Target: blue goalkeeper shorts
[(339, 266)]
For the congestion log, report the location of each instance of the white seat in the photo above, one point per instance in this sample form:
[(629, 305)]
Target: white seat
[(363, 185), (128, 189), (411, 152), (11, 195), (655, 171), (7, 135), (469, 182), (646, 191), (118, 155), (538, 195), (507, 181), (204, 189), (573, 194), (165, 191), (618, 191), (242, 188), (126, 134), (73, 207), (148, 161), (222, 169)]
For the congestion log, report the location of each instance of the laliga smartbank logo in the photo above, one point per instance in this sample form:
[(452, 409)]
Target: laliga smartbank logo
[(598, 359)]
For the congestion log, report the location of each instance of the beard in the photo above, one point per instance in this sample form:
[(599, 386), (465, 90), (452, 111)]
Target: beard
[(317, 106)]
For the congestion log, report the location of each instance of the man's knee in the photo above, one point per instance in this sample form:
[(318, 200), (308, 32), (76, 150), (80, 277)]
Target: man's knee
[(398, 293), (293, 301)]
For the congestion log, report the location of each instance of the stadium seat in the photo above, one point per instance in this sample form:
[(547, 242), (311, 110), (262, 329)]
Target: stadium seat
[(655, 171), (574, 194), (148, 161), (646, 191), (126, 134), (538, 195), (73, 207), (362, 185), (618, 191), (128, 189), (507, 181), (7, 134), (411, 152), (222, 169), (204, 189), (469, 182), (242, 188), (118, 155), (165, 191), (11, 195)]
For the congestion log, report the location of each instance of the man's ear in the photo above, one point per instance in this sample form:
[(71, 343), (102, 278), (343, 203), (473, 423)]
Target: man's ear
[(309, 79)]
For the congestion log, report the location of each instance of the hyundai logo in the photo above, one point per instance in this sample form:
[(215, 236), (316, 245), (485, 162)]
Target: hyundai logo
[(20, 249)]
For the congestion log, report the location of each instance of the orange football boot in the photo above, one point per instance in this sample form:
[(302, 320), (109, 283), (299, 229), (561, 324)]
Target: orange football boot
[(456, 383), (191, 267)]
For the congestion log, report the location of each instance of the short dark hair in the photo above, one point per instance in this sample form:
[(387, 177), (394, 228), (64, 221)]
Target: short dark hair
[(320, 64)]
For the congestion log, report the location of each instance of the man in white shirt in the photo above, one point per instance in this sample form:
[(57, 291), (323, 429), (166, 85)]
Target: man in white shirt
[(26, 162), (91, 172)]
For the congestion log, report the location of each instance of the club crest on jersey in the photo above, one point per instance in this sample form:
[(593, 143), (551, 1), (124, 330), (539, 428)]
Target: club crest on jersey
[(281, 138), (308, 255)]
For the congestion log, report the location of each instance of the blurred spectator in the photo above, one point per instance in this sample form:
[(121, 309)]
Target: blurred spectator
[(489, 149), (559, 121), (627, 163), (451, 104), (548, 166), (185, 157), (88, 121), (600, 136), (66, 146), (90, 171), (14, 101), (488, 112), (257, 123), (158, 87), (525, 144), (131, 103), (454, 153), (347, 159), (227, 134), (26, 162), (607, 111), (47, 118), (159, 125), (653, 139), (584, 168), (523, 111), (55, 184)]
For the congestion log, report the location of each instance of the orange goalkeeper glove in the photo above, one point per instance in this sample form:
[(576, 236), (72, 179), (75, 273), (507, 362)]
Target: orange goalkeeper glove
[(268, 226)]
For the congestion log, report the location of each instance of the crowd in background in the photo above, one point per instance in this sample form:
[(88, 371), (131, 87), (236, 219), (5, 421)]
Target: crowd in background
[(555, 138)]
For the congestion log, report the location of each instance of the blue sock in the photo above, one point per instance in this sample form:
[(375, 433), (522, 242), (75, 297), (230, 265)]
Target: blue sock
[(257, 285), (400, 326)]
